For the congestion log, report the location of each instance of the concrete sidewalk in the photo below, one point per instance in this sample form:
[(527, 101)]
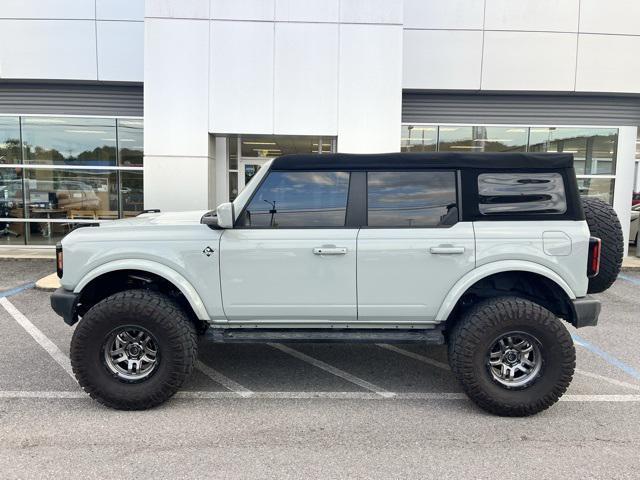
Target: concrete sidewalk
[(28, 253)]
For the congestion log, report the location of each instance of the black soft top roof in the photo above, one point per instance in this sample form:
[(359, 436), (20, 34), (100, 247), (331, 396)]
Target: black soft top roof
[(419, 161)]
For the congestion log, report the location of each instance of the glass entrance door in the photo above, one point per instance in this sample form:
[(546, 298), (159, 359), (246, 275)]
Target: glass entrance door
[(247, 168)]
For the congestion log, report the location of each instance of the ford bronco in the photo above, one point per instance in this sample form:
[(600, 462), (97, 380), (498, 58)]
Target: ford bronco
[(491, 254)]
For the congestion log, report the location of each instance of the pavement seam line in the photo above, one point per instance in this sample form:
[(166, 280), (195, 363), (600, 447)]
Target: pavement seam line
[(223, 380), (50, 347), (333, 370), (415, 356)]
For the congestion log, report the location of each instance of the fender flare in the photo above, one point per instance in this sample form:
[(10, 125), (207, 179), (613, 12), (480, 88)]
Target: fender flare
[(156, 268), (489, 269)]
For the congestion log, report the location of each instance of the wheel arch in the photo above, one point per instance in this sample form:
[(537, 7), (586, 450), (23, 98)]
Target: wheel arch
[(526, 279), (146, 272)]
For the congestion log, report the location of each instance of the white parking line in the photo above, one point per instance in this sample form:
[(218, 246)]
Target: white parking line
[(333, 370), (415, 356), (198, 395), (223, 380), (444, 366), (50, 347), (610, 380)]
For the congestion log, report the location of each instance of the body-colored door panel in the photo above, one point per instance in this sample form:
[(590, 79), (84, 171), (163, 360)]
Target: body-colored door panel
[(404, 274)]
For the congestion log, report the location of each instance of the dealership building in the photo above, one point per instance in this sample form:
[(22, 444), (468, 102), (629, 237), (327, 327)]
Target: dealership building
[(108, 107)]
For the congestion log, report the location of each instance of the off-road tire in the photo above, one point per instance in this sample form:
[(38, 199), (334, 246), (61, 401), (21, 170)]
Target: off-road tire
[(472, 337), (604, 223), (159, 315)]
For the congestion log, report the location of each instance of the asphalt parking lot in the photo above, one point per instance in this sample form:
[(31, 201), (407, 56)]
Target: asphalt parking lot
[(311, 410)]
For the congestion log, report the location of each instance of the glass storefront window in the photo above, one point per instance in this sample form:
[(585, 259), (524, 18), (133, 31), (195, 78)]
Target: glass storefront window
[(69, 141), (417, 138), (601, 188), (594, 149), (482, 139), (269, 146), (38, 186), (71, 194), (9, 140), (130, 142), (131, 192), (12, 233), (11, 200)]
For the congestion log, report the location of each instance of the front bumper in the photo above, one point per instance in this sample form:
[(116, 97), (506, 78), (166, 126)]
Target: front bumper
[(585, 311), (65, 304)]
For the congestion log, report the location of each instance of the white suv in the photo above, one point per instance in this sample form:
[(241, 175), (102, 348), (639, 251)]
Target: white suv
[(484, 252)]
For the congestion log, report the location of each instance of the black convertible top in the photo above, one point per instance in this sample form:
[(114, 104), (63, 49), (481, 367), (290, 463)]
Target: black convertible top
[(420, 161)]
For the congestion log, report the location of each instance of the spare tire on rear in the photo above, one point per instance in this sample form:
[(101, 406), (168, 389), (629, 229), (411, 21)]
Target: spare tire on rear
[(604, 224)]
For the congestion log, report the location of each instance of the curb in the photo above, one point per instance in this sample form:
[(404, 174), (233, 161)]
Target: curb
[(48, 283)]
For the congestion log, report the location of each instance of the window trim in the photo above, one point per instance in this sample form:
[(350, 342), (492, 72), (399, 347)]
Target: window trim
[(264, 179), (456, 180)]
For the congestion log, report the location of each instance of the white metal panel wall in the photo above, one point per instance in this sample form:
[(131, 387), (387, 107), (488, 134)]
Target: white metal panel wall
[(425, 67), (48, 49), (120, 51), (306, 79), (370, 97), (71, 40), (529, 61), (526, 45), (241, 85)]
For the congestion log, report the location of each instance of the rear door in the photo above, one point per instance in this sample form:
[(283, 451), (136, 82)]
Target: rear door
[(413, 249)]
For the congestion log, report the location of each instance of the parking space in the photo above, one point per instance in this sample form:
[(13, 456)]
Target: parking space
[(313, 410)]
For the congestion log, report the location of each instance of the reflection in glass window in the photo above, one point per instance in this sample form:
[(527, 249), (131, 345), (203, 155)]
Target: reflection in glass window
[(11, 203), (411, 199), (416, 138), (68, 141), (49, 233), (71, 194), (131, 191), (12, 233), (510, 193), (9, 140), (299, 199), (594, 149), (601, 188), (482, 139), (131, 142)]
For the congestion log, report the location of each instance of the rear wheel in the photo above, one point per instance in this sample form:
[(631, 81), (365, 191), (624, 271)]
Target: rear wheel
[(133, 350), (512, 356)]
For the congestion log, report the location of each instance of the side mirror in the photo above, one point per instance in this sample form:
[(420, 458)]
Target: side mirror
[(225, 215)]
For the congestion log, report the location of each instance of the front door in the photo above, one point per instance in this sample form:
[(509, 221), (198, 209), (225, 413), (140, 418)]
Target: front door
[(290, 260), (414, 249)]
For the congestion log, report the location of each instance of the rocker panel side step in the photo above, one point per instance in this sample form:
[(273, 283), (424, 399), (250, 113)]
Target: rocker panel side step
[(350, 335)]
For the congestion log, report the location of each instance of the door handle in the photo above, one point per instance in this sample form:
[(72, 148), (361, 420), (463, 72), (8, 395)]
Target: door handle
[(446, 250), (329, 251)]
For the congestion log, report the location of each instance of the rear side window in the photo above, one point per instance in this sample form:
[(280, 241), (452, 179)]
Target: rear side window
[(298, 199), (411, 199), (521, 193)]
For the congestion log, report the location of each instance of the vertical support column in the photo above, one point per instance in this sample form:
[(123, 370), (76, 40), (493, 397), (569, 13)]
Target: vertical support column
[(179, 160), (625, 167)]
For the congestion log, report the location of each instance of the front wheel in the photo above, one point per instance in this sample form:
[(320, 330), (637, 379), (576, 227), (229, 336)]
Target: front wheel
[(512, 356), (133, 350)]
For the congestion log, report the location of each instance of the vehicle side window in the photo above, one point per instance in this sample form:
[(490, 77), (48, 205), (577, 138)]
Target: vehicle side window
[(521, 193), (298, 199), (411, 199)]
